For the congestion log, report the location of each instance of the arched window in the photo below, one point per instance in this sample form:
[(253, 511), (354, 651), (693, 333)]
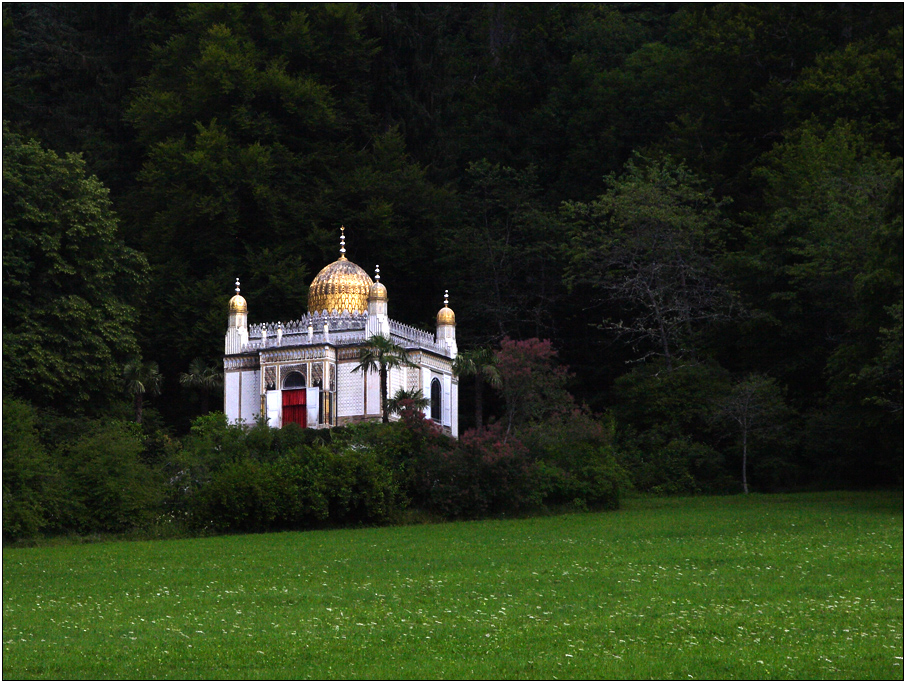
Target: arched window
[(435, 399), (294, 380)]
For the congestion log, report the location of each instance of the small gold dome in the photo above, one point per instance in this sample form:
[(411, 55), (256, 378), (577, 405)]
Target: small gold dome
[(378, 292), (445, 316), (341, 286), (238, 305)]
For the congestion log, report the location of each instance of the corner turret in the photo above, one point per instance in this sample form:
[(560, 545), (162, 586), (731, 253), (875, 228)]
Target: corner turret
[(378, 322), (446, 327), (237, 332)]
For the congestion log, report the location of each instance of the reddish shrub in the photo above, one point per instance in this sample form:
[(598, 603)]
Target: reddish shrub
[(484, 473)]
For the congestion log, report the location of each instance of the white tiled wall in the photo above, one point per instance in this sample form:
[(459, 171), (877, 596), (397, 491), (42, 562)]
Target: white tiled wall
[(349, 391), (251, 396), (231, 395)]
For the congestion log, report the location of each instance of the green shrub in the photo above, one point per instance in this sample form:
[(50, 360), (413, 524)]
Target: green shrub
[(239, 497), (291, 436), (299, 484), (114, 491), (677, 467), (33, 489), (265, 443), (211, 445), (360, 487), (554, 438), (213, 442), (671, 404), (259, 442), (307, 487), (485, 472), (576, 454), (403, 446), (591, 478)]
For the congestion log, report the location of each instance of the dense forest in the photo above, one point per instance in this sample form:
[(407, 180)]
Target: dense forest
[(699, 205)]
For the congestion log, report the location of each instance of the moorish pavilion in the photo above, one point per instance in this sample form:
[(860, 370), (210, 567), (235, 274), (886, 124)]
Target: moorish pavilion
[(302, 371)]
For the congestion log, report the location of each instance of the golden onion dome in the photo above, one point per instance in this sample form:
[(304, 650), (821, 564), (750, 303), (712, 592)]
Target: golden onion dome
[(445, 315), (378, 290), (237, 303), (340, 286)]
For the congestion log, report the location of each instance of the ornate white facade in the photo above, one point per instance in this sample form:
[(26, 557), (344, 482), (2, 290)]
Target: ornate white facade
[(302, 371)]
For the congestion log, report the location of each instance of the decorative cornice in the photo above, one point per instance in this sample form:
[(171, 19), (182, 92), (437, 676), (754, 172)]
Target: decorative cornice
[(441, 363), (297, 353), (240, 362)]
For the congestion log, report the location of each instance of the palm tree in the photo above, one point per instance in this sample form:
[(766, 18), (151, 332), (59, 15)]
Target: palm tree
[(482, 365), (407, 399), (203, 377), (140, 378), (380, 356)]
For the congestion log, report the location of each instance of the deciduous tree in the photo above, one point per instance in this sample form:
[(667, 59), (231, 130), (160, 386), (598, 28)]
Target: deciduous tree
[(70, 285), (533, 385), (755, 407), (502, 256), (823, 271), (648, 247)]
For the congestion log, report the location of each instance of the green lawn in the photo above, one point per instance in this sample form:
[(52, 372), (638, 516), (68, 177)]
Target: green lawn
[(803, 586)]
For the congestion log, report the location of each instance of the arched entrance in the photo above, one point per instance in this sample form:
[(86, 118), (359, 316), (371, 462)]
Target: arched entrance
[(294, 399)]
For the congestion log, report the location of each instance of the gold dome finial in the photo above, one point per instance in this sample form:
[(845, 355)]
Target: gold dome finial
[(378, 291), (237, 303), (445, 315), (342, 243)]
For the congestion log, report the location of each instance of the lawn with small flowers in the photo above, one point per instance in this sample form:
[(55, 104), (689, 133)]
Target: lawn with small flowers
[(805, 586)]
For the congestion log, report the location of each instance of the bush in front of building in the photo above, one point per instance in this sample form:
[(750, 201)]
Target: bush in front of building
[(486, 472), (238, 497), (285, 479), (360, 487), (369, 473), (403, 446), (111, 477)]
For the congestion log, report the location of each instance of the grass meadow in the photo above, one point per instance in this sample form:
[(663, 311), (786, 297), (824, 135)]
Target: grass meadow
[(805, 586)]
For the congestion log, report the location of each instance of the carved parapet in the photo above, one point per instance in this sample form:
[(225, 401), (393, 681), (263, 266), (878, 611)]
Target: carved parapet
[(295, 330), (410, 333)]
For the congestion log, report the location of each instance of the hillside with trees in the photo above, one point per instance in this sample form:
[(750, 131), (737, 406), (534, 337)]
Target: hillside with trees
[(699, 207)]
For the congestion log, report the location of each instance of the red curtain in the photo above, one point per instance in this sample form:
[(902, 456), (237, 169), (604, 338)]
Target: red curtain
[(294, 407)]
